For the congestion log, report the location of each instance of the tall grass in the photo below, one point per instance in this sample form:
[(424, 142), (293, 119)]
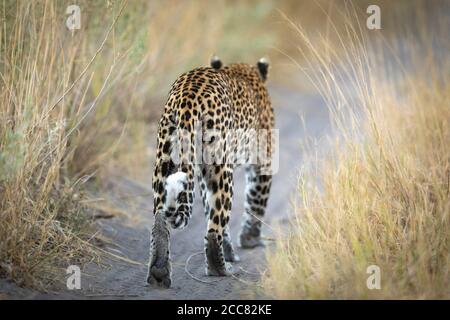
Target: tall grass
[(41, 221), (382, 195), (80, 106)]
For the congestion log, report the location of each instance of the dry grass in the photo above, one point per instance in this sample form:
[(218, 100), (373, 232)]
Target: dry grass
[(80, 106), (382, 197), (41, 221)]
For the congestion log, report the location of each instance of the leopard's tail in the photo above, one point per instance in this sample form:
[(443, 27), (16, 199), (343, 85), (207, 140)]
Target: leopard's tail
[(176, 184), (179, 186)]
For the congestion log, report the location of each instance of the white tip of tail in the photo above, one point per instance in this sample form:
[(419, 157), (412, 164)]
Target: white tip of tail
[(175, 183)]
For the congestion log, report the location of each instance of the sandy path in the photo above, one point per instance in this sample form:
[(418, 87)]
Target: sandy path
[(131, 233)]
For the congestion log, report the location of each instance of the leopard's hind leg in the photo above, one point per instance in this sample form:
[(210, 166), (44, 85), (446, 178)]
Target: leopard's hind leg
[(219, 189), (256, 196), (228, 249)]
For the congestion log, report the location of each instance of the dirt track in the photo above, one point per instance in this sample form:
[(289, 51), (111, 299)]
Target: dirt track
[(130, 234)]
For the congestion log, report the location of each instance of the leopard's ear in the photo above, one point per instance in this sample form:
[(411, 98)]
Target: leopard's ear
[(216, 63), (263, 69)]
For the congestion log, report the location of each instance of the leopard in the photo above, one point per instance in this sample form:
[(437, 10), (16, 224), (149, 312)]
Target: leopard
[(222, 99)]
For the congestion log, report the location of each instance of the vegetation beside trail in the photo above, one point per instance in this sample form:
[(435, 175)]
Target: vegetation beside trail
[(382, 195)]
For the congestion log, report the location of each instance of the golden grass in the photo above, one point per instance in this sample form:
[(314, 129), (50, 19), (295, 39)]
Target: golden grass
[(382, 195), (42, 224)]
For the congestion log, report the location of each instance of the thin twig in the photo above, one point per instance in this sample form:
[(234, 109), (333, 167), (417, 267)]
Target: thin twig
[(249, 272), (190, 274), (91, 61)]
